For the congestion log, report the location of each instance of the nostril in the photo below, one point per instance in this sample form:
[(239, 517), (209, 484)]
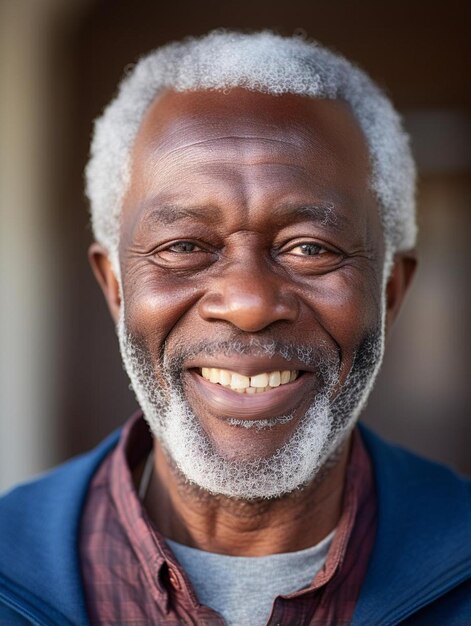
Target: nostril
[(248, 310)]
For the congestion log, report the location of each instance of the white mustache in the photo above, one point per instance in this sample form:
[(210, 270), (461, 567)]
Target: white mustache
[(317, 356)]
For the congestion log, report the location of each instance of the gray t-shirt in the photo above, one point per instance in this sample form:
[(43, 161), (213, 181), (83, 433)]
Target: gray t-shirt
[(242, 588)]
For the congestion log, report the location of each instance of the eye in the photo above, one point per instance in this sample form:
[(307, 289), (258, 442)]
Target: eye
[(184, 254), (183, 247), (308, 249), (310, 256)]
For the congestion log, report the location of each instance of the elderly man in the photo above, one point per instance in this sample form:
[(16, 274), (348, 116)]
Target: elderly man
[(253, 208)]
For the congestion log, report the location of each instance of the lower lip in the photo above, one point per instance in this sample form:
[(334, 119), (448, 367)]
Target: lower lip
[(229, 404)]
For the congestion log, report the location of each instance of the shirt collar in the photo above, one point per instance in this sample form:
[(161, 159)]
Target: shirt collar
[(157, 560)]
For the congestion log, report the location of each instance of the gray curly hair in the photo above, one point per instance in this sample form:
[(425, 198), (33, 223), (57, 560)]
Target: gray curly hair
[(264, 62)]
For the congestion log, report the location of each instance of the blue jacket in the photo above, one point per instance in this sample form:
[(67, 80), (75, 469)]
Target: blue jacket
[(419, 572)]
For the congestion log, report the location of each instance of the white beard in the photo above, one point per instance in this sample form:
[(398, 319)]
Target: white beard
[(324, 427)]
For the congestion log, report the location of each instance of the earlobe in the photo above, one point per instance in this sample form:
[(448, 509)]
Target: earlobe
[(398, 284), (102, 268)]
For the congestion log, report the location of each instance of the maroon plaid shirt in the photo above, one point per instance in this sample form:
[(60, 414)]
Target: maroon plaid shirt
[(132, 577)]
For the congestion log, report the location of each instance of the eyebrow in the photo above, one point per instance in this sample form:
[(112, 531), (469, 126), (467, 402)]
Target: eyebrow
[(322, 213), (165, 215)]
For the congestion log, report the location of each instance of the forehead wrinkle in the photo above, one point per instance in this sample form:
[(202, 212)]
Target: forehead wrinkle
[(176, 158), (161, 151)]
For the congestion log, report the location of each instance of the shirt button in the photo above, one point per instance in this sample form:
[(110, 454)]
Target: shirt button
[(174, 580)]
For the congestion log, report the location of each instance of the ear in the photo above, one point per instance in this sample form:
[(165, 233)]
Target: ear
[(398, 284), (103, 271)]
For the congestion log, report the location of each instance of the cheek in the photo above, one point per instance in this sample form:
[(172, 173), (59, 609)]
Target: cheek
[(155, 306), (347, 306)]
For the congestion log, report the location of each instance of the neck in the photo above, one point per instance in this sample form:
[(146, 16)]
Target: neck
[(188, 515)]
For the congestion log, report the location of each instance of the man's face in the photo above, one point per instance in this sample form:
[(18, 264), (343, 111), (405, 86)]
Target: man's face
[(251, 254)]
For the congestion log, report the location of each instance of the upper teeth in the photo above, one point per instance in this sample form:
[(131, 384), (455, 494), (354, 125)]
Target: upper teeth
[(248, 384)]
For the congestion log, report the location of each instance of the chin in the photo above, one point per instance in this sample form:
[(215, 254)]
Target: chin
[(247, 475)]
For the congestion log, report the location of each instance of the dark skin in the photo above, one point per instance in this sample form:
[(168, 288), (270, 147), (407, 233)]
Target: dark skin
[(255, 224)]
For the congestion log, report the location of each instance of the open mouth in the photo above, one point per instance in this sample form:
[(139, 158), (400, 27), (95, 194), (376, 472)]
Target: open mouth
[(249, 385), (254, 394)]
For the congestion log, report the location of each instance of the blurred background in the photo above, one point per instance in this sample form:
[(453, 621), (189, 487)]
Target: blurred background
[(62, 385)]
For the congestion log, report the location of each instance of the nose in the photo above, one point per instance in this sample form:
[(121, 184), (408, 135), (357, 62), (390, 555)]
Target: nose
[(250, 298)]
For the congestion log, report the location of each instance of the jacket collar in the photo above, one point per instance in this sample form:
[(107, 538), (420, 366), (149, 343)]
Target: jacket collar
[(423, 541)]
